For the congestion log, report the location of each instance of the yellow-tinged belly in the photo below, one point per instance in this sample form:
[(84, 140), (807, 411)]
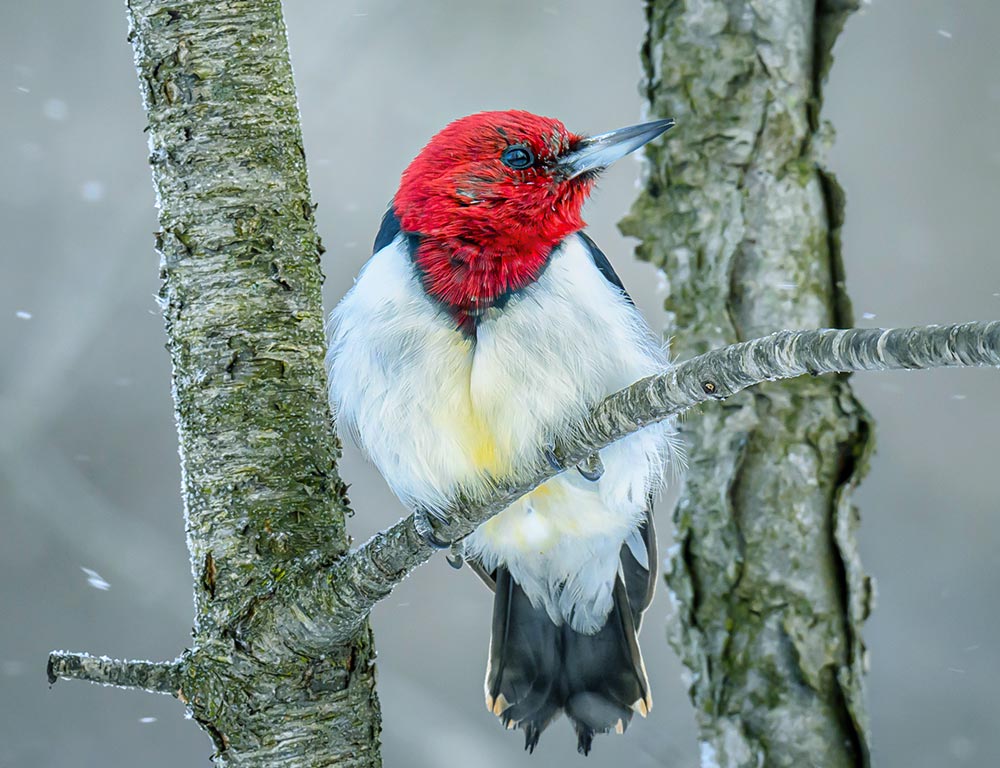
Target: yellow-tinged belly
[(469, 424), (558, 509), (476, 437)]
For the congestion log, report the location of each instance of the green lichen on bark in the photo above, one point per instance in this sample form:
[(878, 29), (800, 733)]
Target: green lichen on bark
[(743, 220), (241, 300)]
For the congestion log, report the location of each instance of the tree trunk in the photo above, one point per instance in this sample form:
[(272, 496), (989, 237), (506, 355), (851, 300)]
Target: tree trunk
[(244, 320), (744, 221)]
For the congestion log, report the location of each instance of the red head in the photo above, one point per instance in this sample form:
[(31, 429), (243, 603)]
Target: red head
[(493, 193)]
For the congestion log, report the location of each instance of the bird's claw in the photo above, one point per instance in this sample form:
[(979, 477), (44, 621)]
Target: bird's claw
[(455, 557), (425, 523), (554, 461), (592, 469)]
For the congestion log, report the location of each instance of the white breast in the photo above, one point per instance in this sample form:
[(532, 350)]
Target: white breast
[(436, 410)]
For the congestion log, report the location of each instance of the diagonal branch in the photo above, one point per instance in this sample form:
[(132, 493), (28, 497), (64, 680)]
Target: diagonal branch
[(152, 676), (369, 573)]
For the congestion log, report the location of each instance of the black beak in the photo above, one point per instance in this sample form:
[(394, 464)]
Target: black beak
[(598, 152)]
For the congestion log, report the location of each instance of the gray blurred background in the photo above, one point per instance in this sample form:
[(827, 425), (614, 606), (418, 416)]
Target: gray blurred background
[(88, 464)]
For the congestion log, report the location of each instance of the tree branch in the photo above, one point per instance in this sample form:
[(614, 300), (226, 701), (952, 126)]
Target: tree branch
[(369, 573), (152, 676)]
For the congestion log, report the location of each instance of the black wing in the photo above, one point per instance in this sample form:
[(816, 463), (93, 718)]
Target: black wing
[(602, 264), (640, 581), (388, 230)]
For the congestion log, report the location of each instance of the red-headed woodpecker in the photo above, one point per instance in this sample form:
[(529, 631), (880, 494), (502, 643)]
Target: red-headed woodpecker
[(486, 325)]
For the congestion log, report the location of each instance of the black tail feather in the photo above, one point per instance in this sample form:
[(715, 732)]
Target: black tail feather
[(538, 669), (523, 653), (584, 738)]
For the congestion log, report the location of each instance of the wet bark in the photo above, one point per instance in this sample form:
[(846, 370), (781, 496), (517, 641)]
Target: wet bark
[(743, 218)]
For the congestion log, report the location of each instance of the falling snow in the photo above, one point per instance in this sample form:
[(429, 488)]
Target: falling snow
[(869, 315), (55, 109), (95, 579), (147, 720), (92, 191), (945, 34), (22, 315)]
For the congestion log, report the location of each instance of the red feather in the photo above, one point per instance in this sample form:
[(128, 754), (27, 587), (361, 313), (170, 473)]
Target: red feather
[(487, 229)]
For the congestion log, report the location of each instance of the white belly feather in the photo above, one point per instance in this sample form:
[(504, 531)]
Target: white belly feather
[(435, 410)]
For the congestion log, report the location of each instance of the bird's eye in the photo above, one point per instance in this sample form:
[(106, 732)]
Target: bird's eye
[(518, 157)]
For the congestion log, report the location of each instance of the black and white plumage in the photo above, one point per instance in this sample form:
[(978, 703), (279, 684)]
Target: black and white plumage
[(437, 408)]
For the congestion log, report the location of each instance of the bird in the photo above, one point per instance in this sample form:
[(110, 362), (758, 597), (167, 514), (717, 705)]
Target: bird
[(484, 327)]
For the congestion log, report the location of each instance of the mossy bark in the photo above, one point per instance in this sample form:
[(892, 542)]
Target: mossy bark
[(739, 213), (244, 319)]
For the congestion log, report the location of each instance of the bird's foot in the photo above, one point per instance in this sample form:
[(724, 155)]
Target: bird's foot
[(456, 557), (554, 461), (592, 468), (427, 525)]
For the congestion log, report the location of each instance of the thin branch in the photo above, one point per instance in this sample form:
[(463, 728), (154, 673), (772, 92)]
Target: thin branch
[(369, 573), (152, 676)]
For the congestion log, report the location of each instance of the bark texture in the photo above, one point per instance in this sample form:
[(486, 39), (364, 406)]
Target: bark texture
[(739, 213), (244, 320)]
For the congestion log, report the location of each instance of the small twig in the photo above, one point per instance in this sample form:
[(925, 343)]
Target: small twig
[(152, 676)]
